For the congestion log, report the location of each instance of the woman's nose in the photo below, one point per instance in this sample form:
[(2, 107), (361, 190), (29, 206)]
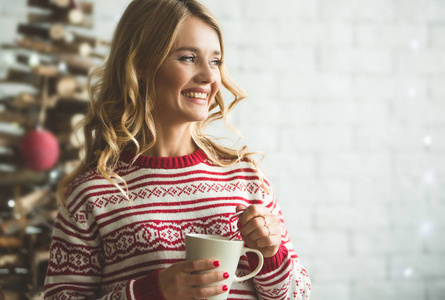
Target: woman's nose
[(207, 73)]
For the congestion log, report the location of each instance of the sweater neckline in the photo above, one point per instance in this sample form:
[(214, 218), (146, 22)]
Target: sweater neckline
[(164, 162)]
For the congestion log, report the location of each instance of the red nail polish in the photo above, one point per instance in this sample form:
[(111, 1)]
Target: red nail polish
[(238, 224), (226, 275), (216, 263), (225, 288)]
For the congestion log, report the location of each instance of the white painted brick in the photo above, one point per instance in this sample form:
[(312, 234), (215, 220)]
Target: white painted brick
[(434, 242), (225, 10), (331, 291), (331, 33), (326, 138), (338, 268), (435, 289), (369, 10), (437, 36), (407, 137), (430, 62), (421, 217), (335, 191), (337, 60), (434, 111), (315, 85), (373, 62), (15, 9), (373, 87), (390, 35), (323, 243), (377, 191), (261, 89), (306, 189), (412, 165), (429, 266), (385, 242), (349, 60), (336, 112), (265, 9), (371, 137), (293, 164), (436, 133), (419, 10), (356, 218), (109, 9), (438, 87), (372, 113), (307, 9), (389, 289), (383, 88), (349, 165), (296, 112), (269, 57), (297, 218)]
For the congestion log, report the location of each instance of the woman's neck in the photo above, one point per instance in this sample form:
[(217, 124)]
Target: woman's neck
[(172, 142)]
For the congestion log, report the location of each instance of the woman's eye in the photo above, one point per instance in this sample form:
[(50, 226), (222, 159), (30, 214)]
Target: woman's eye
[(216, 62), (188, 58)]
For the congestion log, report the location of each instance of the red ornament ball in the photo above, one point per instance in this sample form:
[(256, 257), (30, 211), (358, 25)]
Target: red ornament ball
[(40, 150)]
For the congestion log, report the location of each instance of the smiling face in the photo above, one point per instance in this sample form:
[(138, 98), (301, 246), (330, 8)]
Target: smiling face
[(189, 78)]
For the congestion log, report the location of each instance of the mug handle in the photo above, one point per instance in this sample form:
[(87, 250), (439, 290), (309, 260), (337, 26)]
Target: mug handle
[(258, 268)]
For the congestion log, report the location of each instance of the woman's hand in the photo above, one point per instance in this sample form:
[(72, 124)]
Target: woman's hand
[(260, 229), (177, 281)]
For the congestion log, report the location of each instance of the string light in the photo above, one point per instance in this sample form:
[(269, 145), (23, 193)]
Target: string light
[(427, 141), (426, 229), (33, 60), (11, 203), (408, 272)]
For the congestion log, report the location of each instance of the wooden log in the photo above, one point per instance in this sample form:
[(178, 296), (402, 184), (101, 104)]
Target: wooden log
[(11, 260), (66, 86), (9, 140), (11, 242), (21, 76), (39, 46), (25, 204), (80, 48), (86, 7), (23, 176), (93, 41), (54, 32), (77, 64), (73, 16), (13, 117)]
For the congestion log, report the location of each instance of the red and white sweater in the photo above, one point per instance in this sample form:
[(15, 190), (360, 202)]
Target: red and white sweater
[(109, 247)]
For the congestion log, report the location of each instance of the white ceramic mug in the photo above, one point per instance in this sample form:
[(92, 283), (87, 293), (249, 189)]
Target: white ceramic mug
[(204, 246)]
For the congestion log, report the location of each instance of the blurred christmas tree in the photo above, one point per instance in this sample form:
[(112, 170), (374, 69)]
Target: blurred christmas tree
[(43, 95)]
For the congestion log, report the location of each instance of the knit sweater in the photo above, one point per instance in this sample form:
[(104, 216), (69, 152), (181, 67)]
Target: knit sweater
[(109, 247)]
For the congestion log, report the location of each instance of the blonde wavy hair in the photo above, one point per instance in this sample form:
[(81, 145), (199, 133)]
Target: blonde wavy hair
[(120, 116)]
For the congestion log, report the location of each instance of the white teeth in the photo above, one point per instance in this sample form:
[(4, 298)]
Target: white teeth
[(195, 95)]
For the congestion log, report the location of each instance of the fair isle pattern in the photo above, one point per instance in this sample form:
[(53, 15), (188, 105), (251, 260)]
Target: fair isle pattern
[(109, 247)]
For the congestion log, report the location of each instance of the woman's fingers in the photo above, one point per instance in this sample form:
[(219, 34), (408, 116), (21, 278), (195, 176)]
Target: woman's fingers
[(181, 280), (260, 229)]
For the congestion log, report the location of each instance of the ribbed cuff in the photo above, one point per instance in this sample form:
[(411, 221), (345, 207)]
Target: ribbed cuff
[(270, 263), (147, 287)]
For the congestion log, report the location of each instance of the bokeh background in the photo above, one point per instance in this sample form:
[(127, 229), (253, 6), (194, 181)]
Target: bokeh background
[(347, 101)]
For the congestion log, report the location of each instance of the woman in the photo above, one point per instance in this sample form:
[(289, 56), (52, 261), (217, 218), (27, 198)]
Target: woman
[(150, 174)]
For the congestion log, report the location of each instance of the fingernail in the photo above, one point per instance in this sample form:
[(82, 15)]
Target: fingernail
[(216, 263), (238, 224), (226, 275), (225, 288)]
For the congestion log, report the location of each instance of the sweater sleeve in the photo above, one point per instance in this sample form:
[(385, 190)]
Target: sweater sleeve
[(76, 262), (282, 276)]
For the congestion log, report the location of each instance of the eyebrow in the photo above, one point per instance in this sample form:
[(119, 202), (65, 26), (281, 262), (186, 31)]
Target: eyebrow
[(194, 49)]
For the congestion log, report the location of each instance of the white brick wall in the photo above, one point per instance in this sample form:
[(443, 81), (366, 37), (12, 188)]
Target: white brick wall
[(347, 100)]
